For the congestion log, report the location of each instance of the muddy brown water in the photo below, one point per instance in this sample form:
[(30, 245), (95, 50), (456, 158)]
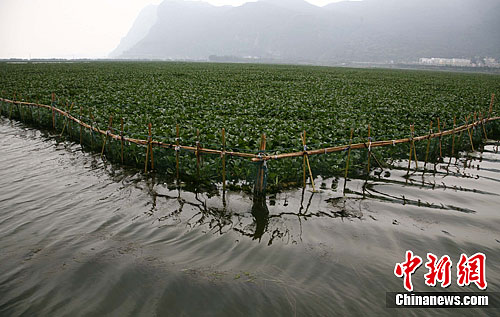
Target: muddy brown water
[(79, 237)]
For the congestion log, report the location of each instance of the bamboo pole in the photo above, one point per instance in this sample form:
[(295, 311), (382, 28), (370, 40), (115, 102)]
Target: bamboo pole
[(354, 146), (121, 137), (23, 109), (474, 122), (20, 108), (91, 129), (197, 152), (348, 158), (460, 139), (428, 145), (440, 143), (376, 160), (81, 135), (304, 158), (491, 105), (147, 150), (67, 121), (70, 122), (25, 112), (53, 112), (306, 161), (38, 113), (369, 150), (177, 150), (482, 125), (310, 173), (409, 159), (468, 131), (453, 139), (254, 157), (151, 148), (223, 157), (31, 114), (106, 136), (259, 186), (413, 144), (12, 106)]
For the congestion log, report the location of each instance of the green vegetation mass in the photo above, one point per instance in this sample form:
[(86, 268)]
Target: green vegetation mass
[(248, 100)]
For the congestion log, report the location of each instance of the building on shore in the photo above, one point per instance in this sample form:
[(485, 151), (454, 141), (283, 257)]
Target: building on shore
[(460, 62), (436, 61)]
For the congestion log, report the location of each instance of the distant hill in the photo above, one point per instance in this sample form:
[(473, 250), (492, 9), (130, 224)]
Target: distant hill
[(140, 29), (296, 31)]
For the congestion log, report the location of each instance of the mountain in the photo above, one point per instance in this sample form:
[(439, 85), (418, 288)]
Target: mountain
[(146, 19), (297, 31)]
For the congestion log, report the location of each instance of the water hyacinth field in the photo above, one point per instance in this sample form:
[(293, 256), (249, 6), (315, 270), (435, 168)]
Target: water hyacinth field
[(248, 100), (82, 234)]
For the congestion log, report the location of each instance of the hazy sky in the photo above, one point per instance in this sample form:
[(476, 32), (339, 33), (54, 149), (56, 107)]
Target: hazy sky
[(72, 28)]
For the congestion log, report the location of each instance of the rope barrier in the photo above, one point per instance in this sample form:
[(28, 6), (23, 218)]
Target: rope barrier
[(256, 157)]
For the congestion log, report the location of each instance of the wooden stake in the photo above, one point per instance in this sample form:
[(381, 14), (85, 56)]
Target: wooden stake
[(468, 131), (306, 162), (310, 173), (177, 149), (151, 148), (70, 122), (223, 156), (453, 139), (369, 150), (413, 144), (482, 125), (53, 112), (91, 129), (491, 105), (81, 126), (376, 160), (259, 187), (147, 153), (409, 159), (474, 124), (121, 137), (348, 158), (440, 143), (106, 136), (31, 113), (67, 121), (20, 108), (304, 158), (38, 111), (198, 152), (146, 160), (12, 106)]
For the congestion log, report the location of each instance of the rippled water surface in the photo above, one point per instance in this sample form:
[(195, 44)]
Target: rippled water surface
[(81, 237)]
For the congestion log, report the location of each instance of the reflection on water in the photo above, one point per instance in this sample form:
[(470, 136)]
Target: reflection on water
[(79, 236)]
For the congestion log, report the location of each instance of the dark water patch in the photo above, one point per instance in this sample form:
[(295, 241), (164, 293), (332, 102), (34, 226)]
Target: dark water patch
[(79, 236)]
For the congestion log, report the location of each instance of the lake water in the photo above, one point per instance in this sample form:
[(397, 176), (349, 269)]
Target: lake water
[(82, 237)]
